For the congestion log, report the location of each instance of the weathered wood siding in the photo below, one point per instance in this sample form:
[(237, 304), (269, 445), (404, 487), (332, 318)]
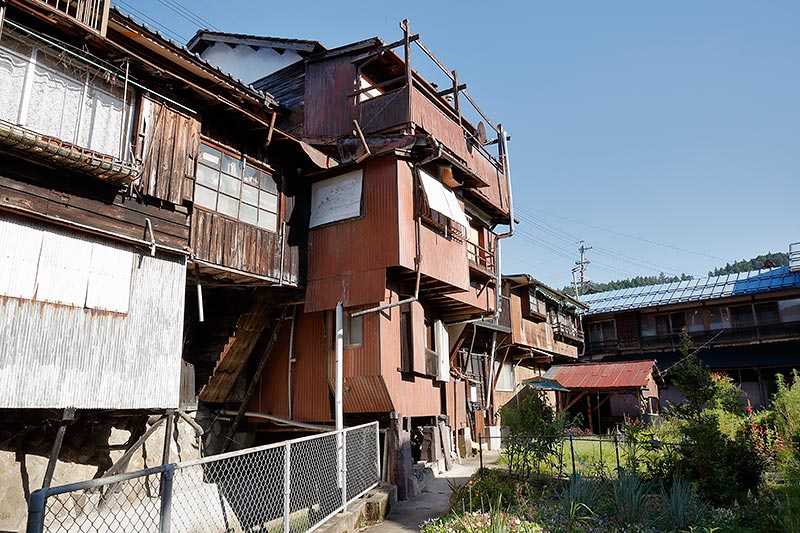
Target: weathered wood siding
[(56, 355), (223, 241), (168, 146), (536, 334), (329, 108), (64, 198)]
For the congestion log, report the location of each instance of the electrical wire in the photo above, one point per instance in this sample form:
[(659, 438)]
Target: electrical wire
[(649, 241), (136, 13), (187, 14)]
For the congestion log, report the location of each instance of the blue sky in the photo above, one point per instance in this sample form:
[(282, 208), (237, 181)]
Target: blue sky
[(665, 134)]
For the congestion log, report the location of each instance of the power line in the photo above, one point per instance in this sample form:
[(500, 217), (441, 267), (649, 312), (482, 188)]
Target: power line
[(187, 14), (649, 241), (150, 20)]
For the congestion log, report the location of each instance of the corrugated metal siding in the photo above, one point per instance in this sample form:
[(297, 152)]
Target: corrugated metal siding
[(420, 397), (55, 356), (628, 374), (367, 243), (360, 288)]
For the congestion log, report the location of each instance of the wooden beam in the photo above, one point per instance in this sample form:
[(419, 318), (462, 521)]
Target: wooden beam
[(589, 411), (576, 399)]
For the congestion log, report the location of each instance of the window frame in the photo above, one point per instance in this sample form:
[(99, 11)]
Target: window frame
[(263, 176)]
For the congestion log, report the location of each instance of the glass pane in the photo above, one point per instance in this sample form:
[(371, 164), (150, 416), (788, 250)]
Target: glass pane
[(268, 183), (678, 322), (251, 175), (267, 220), (767, 313), (694, 321), (249, 195), (718, 318), (356, 330), (609, 331), (207, 176), (228, 206), (248, 214), (648, 326), (268, 202), (790, 310), (662, 325), (205, 197), (742, 316), (209, 155), (230, 186), (231, 165)]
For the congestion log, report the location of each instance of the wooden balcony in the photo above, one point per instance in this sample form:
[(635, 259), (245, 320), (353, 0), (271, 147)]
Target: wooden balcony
[(90, 14), (481, 260)]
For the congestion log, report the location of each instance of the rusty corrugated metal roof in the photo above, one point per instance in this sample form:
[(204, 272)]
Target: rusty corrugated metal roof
[(622, 375)]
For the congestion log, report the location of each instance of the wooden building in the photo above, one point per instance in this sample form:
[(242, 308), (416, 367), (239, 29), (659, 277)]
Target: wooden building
[(746, 325), (403, 226), (126, 163)]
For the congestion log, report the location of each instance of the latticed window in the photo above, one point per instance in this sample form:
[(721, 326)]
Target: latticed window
[(233, 187)]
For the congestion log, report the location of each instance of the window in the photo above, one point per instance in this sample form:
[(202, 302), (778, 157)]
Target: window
[(648, 327), (677, 322), (742, 316), (440, 208), (767, 313), (228, 185), (604, 331), (352, 331), (790, 310), (718, 318), (505, 377), (406, 339), (694, 321), (62, 96)]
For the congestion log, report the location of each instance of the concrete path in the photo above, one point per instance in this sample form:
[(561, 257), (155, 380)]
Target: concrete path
[(434, 500)]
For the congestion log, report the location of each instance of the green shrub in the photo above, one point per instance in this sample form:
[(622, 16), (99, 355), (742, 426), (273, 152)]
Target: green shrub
[(535, 433), (681, 505)]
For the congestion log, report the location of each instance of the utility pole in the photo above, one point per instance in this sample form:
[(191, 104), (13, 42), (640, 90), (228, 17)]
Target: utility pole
[(581, 266)]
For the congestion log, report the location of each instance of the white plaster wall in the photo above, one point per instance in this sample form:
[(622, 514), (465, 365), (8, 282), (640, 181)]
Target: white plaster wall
[(245, 63)]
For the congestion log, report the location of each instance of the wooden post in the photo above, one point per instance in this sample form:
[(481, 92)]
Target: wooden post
[(406, 25), (589, 412), (67, 416)]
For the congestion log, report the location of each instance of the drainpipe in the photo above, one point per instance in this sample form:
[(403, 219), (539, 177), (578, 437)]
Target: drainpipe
[(339, 365), (491, 376), (502, 137), (291, 359)]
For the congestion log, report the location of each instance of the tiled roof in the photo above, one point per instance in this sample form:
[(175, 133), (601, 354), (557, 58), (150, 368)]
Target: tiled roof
[(695, 290)]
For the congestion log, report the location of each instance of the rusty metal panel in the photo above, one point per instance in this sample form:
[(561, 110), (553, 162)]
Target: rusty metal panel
[(367, 243), (628, 374), (366, 394), (410, 395), (356, 289), (57, 356)]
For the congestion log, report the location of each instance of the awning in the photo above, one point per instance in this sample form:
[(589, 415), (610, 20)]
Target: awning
[(442, 200), (545, 384)]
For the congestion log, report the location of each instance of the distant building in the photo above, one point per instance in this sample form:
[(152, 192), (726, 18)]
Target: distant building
[(746, 325)]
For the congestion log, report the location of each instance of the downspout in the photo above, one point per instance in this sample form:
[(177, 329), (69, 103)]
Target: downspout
[(491, 376), (291, 360), (503, 148)]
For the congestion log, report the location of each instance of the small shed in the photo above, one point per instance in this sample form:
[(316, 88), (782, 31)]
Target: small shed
[(610, 391)]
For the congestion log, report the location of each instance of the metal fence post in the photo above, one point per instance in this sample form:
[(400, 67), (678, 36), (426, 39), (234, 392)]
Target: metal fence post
[(572, 451), (480, 452), (344, 470), (616, 449), (36, 506), (378, 450), (166, 498), (287, 485)]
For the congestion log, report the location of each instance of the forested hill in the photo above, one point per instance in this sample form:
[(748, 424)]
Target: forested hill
[(745, 265)]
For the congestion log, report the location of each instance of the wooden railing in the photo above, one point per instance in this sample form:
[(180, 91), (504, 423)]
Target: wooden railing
[(93, 14), (481, 257)]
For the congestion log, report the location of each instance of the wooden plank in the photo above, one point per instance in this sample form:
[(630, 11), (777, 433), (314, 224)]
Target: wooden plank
[(166, 150), (178, 164)]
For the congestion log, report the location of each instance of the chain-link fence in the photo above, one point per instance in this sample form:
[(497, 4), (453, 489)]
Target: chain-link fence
[(291, 486), (579, 455)]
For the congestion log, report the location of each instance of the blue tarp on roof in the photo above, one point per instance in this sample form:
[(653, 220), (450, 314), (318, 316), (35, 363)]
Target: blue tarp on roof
[(742, 283)]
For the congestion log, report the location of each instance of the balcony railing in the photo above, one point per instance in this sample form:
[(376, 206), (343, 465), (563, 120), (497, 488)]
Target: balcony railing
[(92, 14), (568, 330), (700, 338), (480, 258)]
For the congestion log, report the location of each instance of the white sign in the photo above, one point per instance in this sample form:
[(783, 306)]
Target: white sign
[(336, 198)]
